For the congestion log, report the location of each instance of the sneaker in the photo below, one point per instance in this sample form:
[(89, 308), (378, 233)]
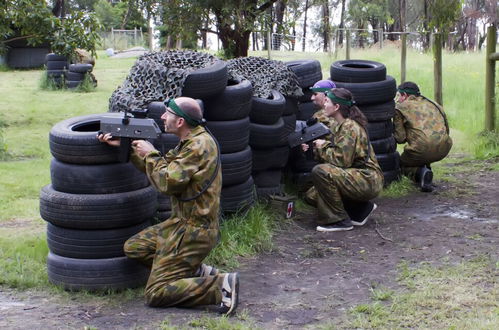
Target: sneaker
[(343, 225), (230, 293), (206, 270), (362, 221)]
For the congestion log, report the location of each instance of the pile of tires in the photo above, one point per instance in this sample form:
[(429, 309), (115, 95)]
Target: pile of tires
[(56, 68), (374, 92), (93, 205), (76, 74), (300, 164)]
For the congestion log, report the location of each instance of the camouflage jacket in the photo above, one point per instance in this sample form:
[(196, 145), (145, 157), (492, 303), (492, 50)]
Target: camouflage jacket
[(420, 123), (323, 118), (183, 172), (348, 148)]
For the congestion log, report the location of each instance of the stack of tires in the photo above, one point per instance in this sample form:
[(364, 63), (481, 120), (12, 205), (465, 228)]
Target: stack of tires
[(269, 129), (300, 164), (56, 68), (92, 207), (76, 74), (227, 115), (374, 92)]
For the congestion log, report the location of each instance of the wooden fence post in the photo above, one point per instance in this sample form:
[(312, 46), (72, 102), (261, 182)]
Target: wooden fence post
[(380, 37), (347, 49), (269, 43), (403, 57), (490, 80), (437, 67)]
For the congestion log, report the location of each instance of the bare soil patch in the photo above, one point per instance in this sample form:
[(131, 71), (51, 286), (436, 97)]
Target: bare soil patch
[(311, 278)]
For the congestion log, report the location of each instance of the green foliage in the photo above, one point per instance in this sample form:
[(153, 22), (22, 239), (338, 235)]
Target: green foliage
[(109, 16), (444, 14), (487, 145), (47, 83), (366, 11), (4, 154)]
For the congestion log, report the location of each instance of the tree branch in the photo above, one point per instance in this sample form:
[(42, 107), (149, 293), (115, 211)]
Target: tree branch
[(266, 5), (19, 38)]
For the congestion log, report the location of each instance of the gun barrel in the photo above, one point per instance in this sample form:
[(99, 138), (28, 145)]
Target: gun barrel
[(134, 128)]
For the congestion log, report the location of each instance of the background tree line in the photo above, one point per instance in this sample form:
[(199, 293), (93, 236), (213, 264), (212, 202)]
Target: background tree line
[(183, 23)]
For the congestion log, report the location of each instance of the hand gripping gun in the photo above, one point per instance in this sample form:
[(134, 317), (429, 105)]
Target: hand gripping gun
[(130, 127)]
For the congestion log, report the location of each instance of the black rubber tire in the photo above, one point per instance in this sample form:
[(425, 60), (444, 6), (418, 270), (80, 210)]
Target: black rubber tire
[(379, 129), (57, 65), (72, 84), (74, 76), (96, 179), (81, 67), (389, 162), (289, 123), (291, 107), (267, 178), (56, 73), (357, 71), (55, 57), (306, 110), (371, 92), (307, 95), (379, 111), (96, 274), (391, 176), (237, 198), (206, 82), (384, 146), (90, 244), (74, 141), (166, 142), (308, 72), (267, 111), (154, 111), (236, 167), (161, 216), (268, 136), (232, 135), (97, 211), (264, 159), (164, 202), (232, 104)]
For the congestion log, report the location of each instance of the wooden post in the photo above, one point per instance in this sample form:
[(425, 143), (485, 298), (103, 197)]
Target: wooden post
[(437, 67), (134, 36), (112, 38), (269, 44), (490, 79), (347, 48), (380, 37), (403, 57)]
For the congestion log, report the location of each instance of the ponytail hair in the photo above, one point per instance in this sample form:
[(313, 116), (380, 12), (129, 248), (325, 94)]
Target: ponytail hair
[(348, 109)]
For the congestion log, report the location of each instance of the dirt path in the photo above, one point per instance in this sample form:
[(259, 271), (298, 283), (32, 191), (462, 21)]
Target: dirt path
[(312, 277)]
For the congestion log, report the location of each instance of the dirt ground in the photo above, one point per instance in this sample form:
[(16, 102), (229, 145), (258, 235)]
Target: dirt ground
[(311, 278)]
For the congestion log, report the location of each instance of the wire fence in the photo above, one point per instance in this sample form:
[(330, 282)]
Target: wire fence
[(123, 39)]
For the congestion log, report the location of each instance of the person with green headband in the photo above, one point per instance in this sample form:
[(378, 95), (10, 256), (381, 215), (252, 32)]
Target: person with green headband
[(348, 173), (422, 126), (320, 89), (175, 248)]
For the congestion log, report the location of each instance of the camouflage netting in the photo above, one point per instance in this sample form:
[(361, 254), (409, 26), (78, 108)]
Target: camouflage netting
[(157, 76), (265, 75)]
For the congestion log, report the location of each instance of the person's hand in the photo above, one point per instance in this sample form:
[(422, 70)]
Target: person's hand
[(318, 143), (107, 138), (142, 147), (304, 147)]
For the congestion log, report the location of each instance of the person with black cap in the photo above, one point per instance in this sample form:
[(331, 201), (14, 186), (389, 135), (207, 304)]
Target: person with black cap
[(320, 89), (422, 125), (176, 247)]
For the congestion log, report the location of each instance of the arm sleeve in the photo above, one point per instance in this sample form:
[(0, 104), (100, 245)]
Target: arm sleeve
[(171, 174), (399, 128), (341, 153)]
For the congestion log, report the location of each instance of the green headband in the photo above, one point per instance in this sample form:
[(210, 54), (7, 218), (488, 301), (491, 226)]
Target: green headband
[(339, 100), (320, 89), (170, 103), (410, 91)]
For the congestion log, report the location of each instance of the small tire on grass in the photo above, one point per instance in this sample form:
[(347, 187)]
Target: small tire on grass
[(81, 67)]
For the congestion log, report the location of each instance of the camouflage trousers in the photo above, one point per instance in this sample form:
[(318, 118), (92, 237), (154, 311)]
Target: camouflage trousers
[(412, 159), (175, 249), (332, 184)]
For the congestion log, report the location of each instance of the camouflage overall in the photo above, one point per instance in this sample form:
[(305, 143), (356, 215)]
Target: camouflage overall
[(418, 122), (346, 171), (176, 247)]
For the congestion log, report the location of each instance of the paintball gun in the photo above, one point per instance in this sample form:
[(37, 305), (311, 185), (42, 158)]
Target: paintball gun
[(309, 131), (130, 127)]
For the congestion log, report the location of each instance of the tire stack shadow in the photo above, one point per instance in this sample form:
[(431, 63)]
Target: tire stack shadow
[(93, 205)]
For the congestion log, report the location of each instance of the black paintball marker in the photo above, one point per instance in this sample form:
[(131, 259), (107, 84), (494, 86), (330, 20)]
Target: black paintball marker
[(130, 127), (311, 130)]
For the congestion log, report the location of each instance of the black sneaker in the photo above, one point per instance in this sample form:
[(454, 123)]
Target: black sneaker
[(343, 225), (426, 180), (206, 270), (230, 293), (362, 221)]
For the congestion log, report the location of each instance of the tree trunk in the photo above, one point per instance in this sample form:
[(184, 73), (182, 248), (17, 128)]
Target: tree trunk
[(342, 23), (280, 7), (325, 24), (305, 26), (402, 10), (426, 18)]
